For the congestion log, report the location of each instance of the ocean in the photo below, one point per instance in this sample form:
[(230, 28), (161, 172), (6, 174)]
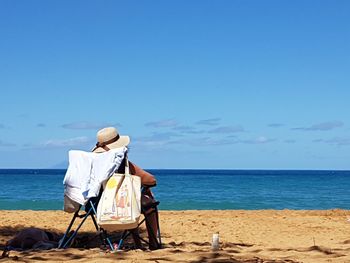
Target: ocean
[(196, 189)]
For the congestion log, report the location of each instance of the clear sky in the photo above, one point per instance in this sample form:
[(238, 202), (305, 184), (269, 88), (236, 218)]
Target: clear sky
[(235, 84)]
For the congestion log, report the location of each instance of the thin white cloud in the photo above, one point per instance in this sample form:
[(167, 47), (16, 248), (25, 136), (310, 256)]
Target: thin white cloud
[(167, 139), (275, 125), (324, 126), (23, 115), (85, 125), (258, 140), (227, 129), (61, 143), (154, 140), (149, 143), (6, 144), (168, 123), (157, 136), (335, 141), (188, 129), (209, 122), (290, 141), (206, 141)]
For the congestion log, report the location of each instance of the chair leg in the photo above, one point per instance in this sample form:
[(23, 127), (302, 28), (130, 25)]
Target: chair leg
[(105, 239), (70, 239), (62, 242), (121, 241), (103, 233), (136, 236)]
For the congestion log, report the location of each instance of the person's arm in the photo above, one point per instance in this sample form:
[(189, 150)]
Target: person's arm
[(147, 179)]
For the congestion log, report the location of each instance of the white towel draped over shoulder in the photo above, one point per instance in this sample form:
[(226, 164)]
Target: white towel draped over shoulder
[(87, 171), (104, 165)]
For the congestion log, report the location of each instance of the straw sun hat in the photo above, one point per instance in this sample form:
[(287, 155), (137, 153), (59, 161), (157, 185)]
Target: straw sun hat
[(109, 138)]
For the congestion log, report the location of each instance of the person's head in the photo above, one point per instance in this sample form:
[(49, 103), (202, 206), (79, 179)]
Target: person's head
[(109, 138)]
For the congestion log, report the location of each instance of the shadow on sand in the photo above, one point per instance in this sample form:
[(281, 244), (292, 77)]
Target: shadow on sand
[(88, 245)]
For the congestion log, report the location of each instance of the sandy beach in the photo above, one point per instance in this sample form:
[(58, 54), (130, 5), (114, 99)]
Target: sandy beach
[(245, 236)]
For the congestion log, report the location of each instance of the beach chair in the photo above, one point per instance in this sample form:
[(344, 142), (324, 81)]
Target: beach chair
[(148, 209)]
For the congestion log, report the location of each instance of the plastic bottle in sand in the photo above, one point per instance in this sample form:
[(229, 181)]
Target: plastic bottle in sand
[(215, 245)]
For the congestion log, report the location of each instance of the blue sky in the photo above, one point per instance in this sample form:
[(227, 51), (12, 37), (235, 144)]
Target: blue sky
[(195, 84)]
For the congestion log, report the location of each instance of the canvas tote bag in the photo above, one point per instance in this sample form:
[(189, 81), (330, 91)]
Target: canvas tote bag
[(120, 205)]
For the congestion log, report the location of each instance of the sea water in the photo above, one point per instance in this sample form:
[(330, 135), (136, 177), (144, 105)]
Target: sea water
[(196, 189)]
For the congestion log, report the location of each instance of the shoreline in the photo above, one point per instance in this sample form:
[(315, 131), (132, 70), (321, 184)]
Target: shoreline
[(269, 235)]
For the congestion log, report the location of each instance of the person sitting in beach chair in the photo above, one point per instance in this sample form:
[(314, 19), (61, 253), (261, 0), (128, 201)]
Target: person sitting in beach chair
[(109, 138), (109, 156)]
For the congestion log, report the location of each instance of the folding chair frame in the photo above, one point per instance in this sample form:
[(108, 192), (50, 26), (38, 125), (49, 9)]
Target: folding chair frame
[(68, 238)]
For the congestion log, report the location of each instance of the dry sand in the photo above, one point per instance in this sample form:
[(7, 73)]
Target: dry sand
[(246, 236)]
